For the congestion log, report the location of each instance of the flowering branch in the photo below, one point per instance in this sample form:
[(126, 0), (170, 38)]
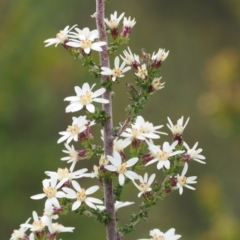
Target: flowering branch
[(62, 190)]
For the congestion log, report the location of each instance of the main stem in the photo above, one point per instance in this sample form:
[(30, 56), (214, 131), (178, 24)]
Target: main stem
[(107, 129)]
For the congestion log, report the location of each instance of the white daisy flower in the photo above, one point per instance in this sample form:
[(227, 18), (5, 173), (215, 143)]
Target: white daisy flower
[(20, 233), (116, 72), (81, 195), (133, 133), (113, 22), (84, 98), (162, 155), (73, 155), (65, 174), (179, 127), (156, 84), (142, 130), (78, 125), (142, 72), (61, 37), (128, 22), (117, 205), (193, 154), (58, 228), (50, 188), (156, 234), (145, 183), (85, 40), (38, 224), (120, 144), (160, 56), (130, 59), (122, 168), (183, 181), (147, 128)]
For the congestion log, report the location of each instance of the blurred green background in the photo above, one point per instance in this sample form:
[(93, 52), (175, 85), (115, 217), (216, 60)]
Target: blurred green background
[(202, 81)]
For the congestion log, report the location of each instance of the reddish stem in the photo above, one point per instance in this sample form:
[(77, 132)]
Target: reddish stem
[(107, 129)]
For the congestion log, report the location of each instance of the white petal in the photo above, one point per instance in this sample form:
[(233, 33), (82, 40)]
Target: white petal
[(132, 161), (91, 190), (185, 168), (54, 201), (121, 179), (71, 99), (70, 193), (152, 161), (151, 179), (190, 187), (131, 175), (111, 168), (76, 186), (73, 44), (38, 196), (167, 164), (35, 216), (90, 204), (99, 92), (90, 107), (116, 62), (76, 205), (180, 190), (160, 164), (101, 100), (94, 200)]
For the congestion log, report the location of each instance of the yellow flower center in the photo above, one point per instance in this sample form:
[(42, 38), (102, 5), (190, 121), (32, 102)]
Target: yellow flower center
[(182, 180), (73, 129), (113, 23), (49, 191), (177, 129), (117, 72), (155, 237), (86, 44), (81, 196), (86, 98), (144, 187), (38, 225), (162, 155), (142, 73), (156, 84), (103, 160), (122, 168), (135, 132)]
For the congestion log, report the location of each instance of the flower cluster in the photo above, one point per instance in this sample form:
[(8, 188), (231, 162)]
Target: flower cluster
[(113, 25), (41, 227), (64, 189), (82, 41)]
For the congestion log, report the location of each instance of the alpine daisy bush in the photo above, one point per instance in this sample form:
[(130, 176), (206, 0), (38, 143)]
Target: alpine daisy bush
[(127, 148)]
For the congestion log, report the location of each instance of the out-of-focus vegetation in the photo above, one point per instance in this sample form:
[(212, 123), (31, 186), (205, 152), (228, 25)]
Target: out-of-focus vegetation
[(202, 81)]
